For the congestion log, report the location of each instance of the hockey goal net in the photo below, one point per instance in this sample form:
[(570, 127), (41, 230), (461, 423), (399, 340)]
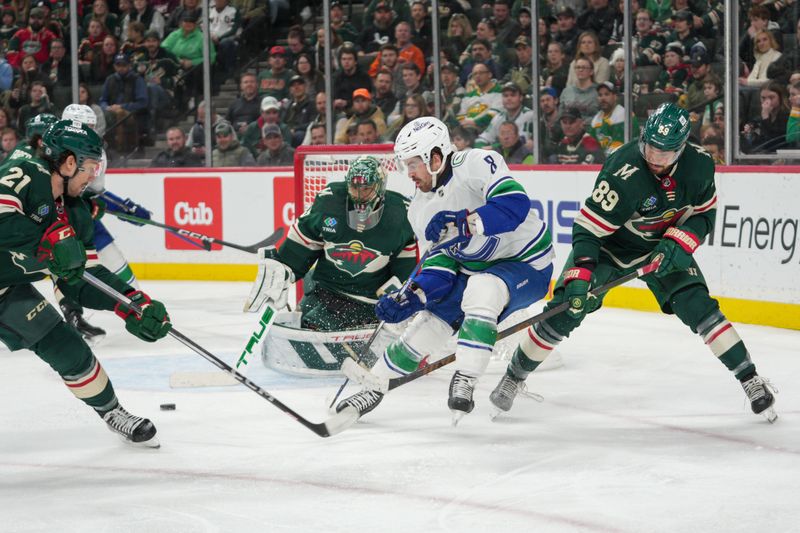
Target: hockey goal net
[(316, 166)]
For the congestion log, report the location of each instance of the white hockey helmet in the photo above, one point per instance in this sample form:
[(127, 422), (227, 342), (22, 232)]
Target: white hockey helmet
[(82, 113), (418, 138)]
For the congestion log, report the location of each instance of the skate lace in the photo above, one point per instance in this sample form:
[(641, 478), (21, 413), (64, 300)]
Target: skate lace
[(122, 421), (523, 391), (510, 387), (756, 388), (462, 385), (363, 400)]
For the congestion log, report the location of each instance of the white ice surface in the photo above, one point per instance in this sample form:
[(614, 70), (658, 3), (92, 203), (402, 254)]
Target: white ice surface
[(640, 431)]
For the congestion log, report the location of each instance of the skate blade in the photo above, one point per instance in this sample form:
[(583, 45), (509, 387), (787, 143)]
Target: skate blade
[(494, 413), (770, 414), (152, 443), (457, 416)]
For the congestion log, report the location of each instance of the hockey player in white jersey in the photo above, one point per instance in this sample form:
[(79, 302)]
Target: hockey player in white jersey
[(488, 256)]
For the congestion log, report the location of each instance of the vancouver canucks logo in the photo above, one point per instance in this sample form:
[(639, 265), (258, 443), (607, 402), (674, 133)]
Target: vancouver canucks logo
[(654, 226), (352, 257)]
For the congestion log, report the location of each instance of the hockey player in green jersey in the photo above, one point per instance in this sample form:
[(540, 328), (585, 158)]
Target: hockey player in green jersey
[(357, 235), (46, 228), (655, 196), (34, 129)]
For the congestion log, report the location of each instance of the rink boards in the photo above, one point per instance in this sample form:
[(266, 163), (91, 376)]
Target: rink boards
[(751, 261)]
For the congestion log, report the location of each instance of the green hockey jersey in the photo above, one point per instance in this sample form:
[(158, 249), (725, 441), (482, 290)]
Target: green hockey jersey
[(630, 208), (27, 209), (350, 262)]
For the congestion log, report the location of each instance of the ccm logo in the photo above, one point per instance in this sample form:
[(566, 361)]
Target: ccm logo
[(36, 310), (202, 215)]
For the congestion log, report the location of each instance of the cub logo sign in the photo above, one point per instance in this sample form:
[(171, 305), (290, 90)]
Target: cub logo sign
[(194, 204)]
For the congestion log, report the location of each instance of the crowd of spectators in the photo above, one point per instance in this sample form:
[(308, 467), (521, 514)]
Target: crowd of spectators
[(140, 65)]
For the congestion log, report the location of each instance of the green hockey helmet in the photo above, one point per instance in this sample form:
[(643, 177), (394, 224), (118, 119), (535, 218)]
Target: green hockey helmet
[(38, 125), (667, 130), (70, 136), (366, 189)]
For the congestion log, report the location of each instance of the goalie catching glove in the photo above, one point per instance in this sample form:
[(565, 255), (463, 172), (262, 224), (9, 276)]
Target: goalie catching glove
[(272, 283), (152, 325)]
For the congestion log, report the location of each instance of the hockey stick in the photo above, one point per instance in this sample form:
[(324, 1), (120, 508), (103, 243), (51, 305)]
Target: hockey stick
[(427, 369), (365, 350), (202, 244), (253, 248), (332, 426)]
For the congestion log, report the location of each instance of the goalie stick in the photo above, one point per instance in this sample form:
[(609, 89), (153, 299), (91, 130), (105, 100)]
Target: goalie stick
[(208, 241), (362, 375), (331, 426)]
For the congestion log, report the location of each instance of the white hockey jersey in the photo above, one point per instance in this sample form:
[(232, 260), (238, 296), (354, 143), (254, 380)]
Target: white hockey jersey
[(479, 176)]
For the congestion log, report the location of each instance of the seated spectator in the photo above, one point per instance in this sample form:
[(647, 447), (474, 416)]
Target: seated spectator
[(174, 21), (8, 28), (33, 40), (411, 79), (582, 95), (57, 70), (225, 27), (479, 52), (520, 72), (276, 152), (93, 41), (512, 111), (768, 132), (715, 147), (253, 138), (186, 44), (766, 52), (511, 146), (556, 71), (274, 81), (320, 101), (85, 98), (699, 68), (712, 92), (567, 34), (608, 125), (29, 74), (296, 45), (380, 31), (229, 153), (414, 107), (550, 133), (399, 10), (343, 29), (5, 119), (577, 146), (102, 65), (196, 139), (589, 46), (500, 55), (648, 44), (462, 138), (683, 22), (177, 153), (363, 109), (598, 18), (38, 102), (406, 50), (793, 122), (458, 37), (146, 14), (159, 68), (385, 99), (300, 111), (318, 52), (675, 76), (367, 132), (8, 140), (452, 93), (125, 94), (781, 69), (481, 104), (315, 81), (135, 40), (247, 106), (348, 78), (421, 27), (508, 29), (617, 63), (759, 20), (100, 13), (317, 135)]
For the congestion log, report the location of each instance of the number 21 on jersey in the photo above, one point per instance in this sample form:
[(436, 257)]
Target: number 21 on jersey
[(16, 174), (605, 196)]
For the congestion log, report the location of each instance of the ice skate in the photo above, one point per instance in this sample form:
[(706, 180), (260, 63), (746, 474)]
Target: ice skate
[(363, 402), (460, 401), (132, 429), (759, 392), (91, 334)]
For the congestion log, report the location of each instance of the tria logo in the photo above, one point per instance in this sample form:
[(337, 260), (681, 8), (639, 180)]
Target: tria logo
[(352, 257), (202, 215)]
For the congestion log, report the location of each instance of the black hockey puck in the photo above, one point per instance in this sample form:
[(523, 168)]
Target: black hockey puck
[(167, 406)]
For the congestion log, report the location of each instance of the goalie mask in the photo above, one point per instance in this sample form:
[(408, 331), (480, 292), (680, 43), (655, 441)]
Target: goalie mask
[(366, 189)]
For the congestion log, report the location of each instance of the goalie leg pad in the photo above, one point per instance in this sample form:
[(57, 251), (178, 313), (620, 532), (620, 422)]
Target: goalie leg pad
[(485, 298)]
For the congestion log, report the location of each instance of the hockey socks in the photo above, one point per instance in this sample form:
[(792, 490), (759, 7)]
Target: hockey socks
[(533, 349), (476, 339), (723, 340)]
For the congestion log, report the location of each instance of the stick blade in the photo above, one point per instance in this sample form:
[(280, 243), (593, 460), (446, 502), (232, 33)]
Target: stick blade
[(341, 421)]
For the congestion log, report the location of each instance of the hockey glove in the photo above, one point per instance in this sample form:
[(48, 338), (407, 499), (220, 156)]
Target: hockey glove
[(136, 210), (396, 307), (63, 252), (438, 229), (577, 283), (272, 283), (98, 207), (154, 322), (677, 245)]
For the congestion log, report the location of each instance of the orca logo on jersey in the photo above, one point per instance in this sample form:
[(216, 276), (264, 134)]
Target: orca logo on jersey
[(352, 257), (202, 215)]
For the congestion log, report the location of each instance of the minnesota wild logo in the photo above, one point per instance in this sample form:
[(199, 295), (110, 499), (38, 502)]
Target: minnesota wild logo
[(352, 257), (653, 227)]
